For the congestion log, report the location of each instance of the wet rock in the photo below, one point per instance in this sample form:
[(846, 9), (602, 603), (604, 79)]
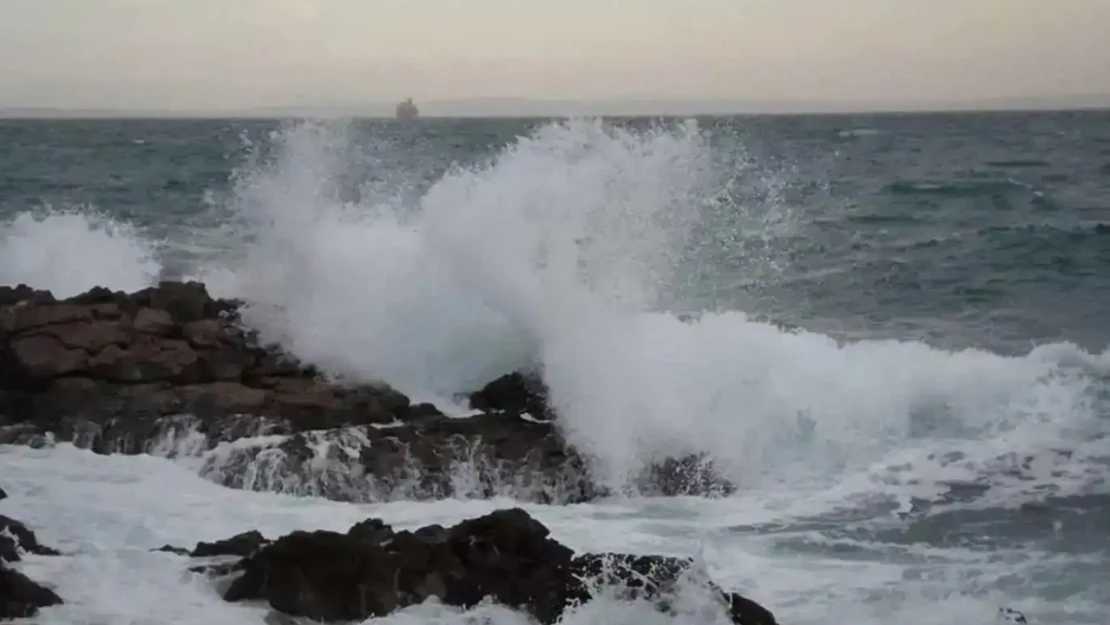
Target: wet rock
[(499, 454), (517, 393), (3, 494), (239, 545), (20, 597), (656, 578), (16, 537), (693, 474), (174, 550), (102, 369), (506, 556)]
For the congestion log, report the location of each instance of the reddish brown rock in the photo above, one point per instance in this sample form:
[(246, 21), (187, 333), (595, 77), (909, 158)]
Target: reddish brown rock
[(42, 357), (153, 321), (106, 369), (89, 336)]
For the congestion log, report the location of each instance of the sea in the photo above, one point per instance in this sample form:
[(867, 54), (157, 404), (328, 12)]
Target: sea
[(890, 331)]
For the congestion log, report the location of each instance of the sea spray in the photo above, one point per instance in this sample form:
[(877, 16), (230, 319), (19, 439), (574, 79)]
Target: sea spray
[(558, 252), (70, 250)]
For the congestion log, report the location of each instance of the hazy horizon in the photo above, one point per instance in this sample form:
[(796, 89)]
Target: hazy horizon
[(616, 107), (206, 56)]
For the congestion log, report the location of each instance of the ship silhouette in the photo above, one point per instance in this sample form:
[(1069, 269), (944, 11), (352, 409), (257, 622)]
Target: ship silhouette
[(407, 110)]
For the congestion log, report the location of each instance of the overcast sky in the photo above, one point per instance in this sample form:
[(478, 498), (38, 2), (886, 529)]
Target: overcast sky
[(244, 53)]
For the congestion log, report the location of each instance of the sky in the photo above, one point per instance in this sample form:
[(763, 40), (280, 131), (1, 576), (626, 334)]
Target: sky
[(228, 54)]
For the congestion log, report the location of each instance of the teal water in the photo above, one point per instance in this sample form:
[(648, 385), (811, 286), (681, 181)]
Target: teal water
[(963, 229), (891, 330)]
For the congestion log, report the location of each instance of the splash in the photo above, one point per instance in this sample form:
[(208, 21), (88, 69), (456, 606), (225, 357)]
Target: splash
[(70, 251), (561, 251)]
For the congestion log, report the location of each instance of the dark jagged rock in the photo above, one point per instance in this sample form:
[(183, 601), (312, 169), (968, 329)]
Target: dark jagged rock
[(656, 578), (20, 597), (16, 537), (693, 474), (517, 393), (239, 545), (3, 494), (1011, 616), (125, 373), (507, 556), (181, 551)]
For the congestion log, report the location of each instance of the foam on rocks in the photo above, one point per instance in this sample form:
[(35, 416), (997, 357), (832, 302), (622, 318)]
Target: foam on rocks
[(169, 370)]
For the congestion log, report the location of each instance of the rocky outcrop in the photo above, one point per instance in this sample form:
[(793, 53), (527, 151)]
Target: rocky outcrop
[(518, 393), (170, 370), (21, 597), (15, 538), (507, 556), (101, 367)]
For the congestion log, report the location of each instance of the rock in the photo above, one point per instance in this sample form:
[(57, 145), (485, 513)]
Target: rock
[(239, 545), (16, 537), (184, 301), (3, 494), (506, 556), (692, 474), (20, 597), (44, 357), (517, 393), (114, 371), (657, 577), (153, 321), (174, 550), (22, 293), (207, 334)]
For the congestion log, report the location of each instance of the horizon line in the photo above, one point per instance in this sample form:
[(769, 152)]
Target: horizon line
[(545, 108)]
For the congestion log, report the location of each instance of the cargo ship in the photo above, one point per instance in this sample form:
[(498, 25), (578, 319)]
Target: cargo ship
[(407, 110)]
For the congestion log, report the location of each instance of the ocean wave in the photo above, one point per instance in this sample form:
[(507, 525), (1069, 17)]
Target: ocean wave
[(558, 253)]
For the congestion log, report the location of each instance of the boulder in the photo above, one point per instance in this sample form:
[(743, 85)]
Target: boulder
[(239, 545), (507, 556), (15, 537), (103, 368), (20, 597), (517, 393)]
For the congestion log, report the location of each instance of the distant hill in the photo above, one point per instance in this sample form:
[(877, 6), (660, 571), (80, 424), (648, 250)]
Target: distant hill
[(526, 107)]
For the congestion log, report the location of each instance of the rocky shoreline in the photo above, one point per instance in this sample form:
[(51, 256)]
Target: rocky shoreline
[(170, 370)]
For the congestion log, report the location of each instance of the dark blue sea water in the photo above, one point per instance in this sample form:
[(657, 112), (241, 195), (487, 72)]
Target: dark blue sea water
[(891, 329)]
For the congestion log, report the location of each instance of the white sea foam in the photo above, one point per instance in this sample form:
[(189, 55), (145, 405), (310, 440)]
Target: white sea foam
[(106, 512)]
